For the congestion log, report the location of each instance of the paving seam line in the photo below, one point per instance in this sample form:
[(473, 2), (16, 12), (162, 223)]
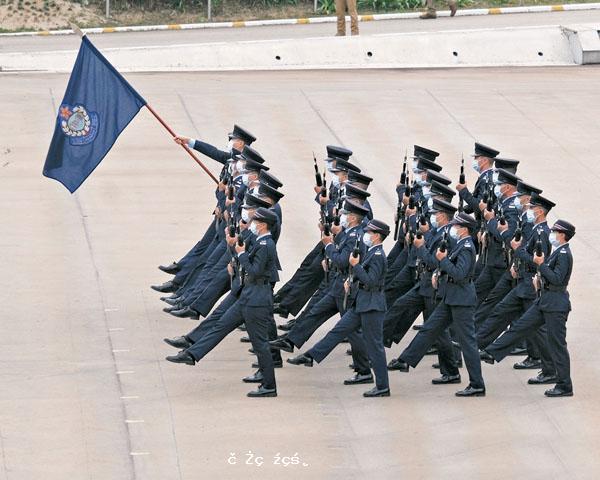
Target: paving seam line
[(312, 20)]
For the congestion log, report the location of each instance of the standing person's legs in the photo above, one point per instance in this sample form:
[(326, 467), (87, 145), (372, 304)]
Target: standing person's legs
[(372, 328), (340, 10), (257, 323), (556, 325), (464, 326), (352, 11)]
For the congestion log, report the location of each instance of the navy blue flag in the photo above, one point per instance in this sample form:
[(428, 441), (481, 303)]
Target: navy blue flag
[(98, 105)]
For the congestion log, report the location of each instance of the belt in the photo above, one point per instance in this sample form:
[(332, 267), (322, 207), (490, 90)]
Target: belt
[(369, 289), (257, 281), (462, 282), (555, 288)]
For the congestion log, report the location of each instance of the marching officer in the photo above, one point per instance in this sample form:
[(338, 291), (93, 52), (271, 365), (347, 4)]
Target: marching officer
[(551, 308), (255, 302), (367, 313), (454, 281)]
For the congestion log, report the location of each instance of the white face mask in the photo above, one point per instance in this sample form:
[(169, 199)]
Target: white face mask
[(229, 146), (433, 221), (426, 191), (254, 228), (367, 240), (553, 240), (530, 216), (245, 215), (239, 165), (335, 180), (454, 233), (344, 220), (498, 191), (329, 166), (517, 203), (246, 179), (475, 165)]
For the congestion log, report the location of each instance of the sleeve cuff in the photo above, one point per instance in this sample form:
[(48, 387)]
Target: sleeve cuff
[(191, 143)]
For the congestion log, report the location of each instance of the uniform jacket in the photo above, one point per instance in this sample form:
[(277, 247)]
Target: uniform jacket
[(473, 199), (370, 274), (524, 259), (260, 266), (556, 271), (497, 242), (339, 253), (455, 285), (426, 260)]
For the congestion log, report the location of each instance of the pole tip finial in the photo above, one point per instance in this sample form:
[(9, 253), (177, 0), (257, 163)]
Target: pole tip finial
[(77, 30)]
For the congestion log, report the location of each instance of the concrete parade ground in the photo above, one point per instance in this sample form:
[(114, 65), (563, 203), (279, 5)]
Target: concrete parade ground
[(85, 392)]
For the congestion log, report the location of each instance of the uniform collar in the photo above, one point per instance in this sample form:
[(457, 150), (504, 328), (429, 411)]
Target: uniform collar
[(268, 234)]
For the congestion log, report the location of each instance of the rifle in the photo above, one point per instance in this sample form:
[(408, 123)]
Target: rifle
[(399, 208), (461, 179), (436, 274), (323, 194), (318, 178), (350, 278), (539, 252), (516, 261)]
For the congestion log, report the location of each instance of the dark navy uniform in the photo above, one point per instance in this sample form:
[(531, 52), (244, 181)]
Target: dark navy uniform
[(552, 309), (367, 313), (458, 299)]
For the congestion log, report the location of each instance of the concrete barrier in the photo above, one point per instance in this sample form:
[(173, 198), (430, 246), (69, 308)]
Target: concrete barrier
[(524, 46)]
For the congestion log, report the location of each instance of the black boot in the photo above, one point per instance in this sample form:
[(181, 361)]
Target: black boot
[(178, 342), (166, 287), (170, 269), (301, 359), (186, 312), (182, 357)]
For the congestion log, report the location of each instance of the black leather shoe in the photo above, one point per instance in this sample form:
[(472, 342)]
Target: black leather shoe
[(172, 301), (397, 364), (282, 344), (486, 357), (301, 359), (431, 351), (166, 287), (172, 308), (446, 379), (245, 339), (376, 392), (471, 392), (178, 342), (256, 377), (170, 297), (542, 379), (359, 378), (186, 312), (182, 357), (345, 340), (528, 364), (349, 352), (436, 365), (558, 392), (286, 327), (518, 351), (242, 327), (276, 364), (263, 392), (252, 351), (170, 269), (417, 327)]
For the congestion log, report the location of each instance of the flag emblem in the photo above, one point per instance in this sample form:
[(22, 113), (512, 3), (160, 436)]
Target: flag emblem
[(76, 123)]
